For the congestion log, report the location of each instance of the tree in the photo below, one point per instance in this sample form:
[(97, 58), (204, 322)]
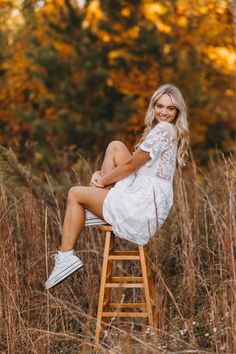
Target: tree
[(82, 76)]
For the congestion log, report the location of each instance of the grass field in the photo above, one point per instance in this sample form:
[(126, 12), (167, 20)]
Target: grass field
[(193, 267)]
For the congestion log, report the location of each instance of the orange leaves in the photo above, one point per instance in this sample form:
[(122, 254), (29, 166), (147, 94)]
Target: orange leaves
[(73, 66), (64, 49), (50, 113), (41, 35), (136, 82), (125, 11), (222, 58)]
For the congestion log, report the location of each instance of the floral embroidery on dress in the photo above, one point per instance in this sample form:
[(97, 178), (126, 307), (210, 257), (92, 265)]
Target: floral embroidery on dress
[(139, 204), (162, 147)]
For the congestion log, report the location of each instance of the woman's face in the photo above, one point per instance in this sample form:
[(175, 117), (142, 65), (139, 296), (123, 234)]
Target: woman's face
[(164, 109)]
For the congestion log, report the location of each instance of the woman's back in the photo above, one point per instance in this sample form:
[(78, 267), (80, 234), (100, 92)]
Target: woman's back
[(161, 143)]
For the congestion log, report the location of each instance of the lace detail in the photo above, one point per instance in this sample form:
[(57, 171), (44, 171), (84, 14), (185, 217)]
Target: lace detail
[(161, 143), (139, 204)]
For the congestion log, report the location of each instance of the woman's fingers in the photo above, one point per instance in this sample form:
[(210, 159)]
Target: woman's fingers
[(94, 180), (94, 183)]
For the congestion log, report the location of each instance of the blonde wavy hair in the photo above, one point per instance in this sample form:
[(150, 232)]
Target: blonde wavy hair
[(180, 120)]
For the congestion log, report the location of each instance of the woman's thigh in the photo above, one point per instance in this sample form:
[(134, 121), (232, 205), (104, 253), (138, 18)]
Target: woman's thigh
[(91, 198)]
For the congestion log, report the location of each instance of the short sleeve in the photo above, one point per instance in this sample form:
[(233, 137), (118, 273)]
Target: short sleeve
[(157, 140)]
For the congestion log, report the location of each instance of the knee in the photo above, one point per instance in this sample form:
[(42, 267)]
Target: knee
[(115, 145), (73, 194)]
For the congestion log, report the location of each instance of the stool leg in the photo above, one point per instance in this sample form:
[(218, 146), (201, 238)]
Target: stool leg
[(152, 292), (102, 285), (107, 294), (146, 285), (149, 274)]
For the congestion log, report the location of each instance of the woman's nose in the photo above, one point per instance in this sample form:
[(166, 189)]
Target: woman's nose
[(164, 110)]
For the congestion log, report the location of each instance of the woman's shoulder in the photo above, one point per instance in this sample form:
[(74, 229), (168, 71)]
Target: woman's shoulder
[(167, 128)]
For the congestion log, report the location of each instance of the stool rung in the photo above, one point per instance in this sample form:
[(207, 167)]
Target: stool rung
[(124, 279), (124, 314), (124, 285), (128, 305), (124, 255)]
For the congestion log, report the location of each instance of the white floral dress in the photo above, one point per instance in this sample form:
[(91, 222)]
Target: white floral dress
[(139, 204)]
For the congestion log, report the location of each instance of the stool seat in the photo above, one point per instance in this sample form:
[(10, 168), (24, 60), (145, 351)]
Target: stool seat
[(107, 308)]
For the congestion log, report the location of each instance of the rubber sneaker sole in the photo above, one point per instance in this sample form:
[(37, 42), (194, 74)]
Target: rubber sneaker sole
[(63, 275)]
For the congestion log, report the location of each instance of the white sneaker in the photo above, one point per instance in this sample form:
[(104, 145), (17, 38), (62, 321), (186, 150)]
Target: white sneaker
[(66, 263), (92, 220)]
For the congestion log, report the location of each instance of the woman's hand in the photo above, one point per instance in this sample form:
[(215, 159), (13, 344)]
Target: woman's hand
[(95, 180)]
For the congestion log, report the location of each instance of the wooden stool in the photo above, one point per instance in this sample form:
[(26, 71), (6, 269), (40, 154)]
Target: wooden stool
[(108, 282)]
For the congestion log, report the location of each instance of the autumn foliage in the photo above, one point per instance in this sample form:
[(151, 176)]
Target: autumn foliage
[(80, 76)]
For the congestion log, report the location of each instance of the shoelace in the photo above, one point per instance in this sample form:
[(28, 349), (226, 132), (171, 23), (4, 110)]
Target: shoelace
[(56, 257)]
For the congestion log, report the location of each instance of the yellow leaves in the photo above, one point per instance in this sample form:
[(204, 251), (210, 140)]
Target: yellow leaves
[(55, 2), (162, 27), (203, 10), (223, 58), (86, 23), (42, 36), (94, 8), (64, 49), (182, 8), (229, 93), (51, 6), (125, 11), (166, 48), (152, 12), (106, 38), (181, 21), (50, 113), (93, 14), (198, 132), (110, 82), (133, 32), (120, 36), (10, 18), (153, 9), (199, 8), (136, 82), (137, 118), (113, 54), (52, 9)]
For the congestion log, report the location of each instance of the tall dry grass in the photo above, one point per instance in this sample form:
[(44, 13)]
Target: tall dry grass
[(193, 264)]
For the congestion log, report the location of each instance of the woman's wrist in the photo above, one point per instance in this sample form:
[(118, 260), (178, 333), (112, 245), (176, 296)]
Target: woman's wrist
[(101, 181)]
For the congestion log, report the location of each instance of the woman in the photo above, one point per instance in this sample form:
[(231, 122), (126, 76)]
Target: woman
[(132, 192)]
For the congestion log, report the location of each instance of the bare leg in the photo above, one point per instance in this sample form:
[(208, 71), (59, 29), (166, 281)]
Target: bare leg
[(116, 153), (90, 198)]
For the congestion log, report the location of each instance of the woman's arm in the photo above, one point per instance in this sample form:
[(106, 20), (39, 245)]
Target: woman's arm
[(131, 165)]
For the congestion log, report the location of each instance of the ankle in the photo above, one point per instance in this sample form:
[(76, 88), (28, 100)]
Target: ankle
[(66, 252)]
